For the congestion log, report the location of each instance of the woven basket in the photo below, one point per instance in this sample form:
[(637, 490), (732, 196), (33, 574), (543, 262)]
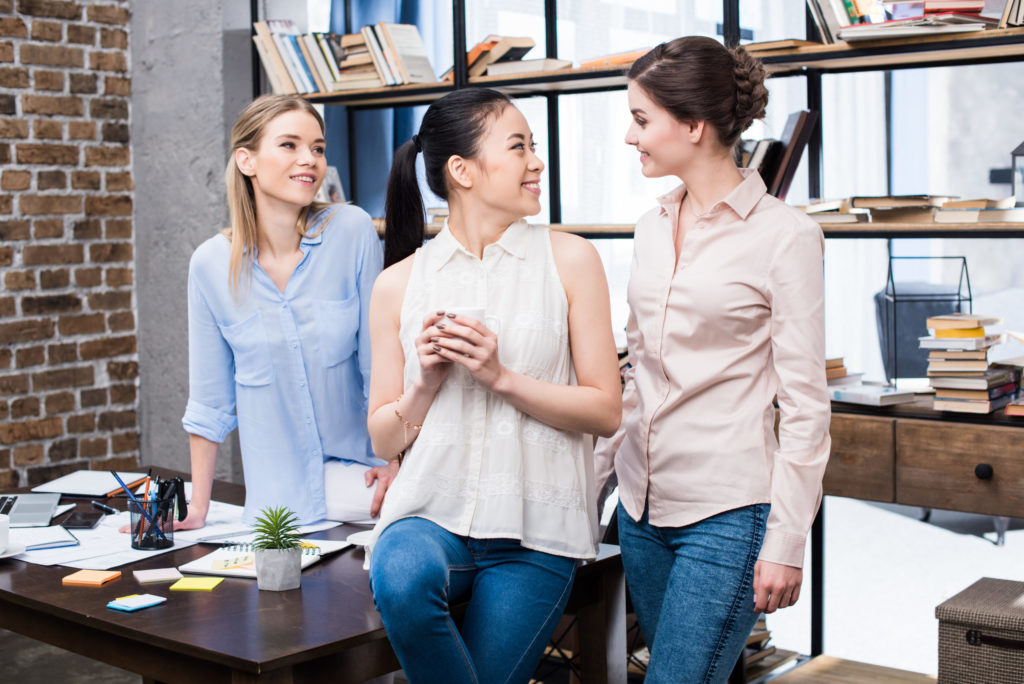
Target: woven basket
[(981, 634)]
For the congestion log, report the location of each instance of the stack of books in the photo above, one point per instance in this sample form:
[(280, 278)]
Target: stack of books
[(958, 366), (320, 63), (981, 210), (493, 50), (835, 211), (856, 20), (836, 373), (912, 209), (761, 657)]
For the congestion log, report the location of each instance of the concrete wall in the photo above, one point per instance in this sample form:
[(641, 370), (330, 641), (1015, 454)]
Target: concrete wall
[(191, 71)]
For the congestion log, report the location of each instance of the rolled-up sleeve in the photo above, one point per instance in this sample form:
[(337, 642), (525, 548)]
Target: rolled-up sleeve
[(210, 411), (796, 287)]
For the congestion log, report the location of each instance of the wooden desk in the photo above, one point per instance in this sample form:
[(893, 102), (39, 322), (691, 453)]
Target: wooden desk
[(328, 630), (910, 454)]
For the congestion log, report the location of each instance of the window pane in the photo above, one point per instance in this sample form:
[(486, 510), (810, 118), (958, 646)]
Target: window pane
[(762, 20), (591, 28), (484, 17)]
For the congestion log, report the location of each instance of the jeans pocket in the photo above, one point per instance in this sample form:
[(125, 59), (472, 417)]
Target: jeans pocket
[(254, 366), (337, 328)]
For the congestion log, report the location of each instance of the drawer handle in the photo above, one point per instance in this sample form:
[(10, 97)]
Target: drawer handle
[(983, 471), (976, 638)]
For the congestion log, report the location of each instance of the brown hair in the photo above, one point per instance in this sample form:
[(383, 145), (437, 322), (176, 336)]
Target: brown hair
[(698, 79), (247, 134)]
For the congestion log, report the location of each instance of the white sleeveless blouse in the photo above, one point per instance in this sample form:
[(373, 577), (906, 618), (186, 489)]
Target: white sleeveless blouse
[(480, 467)]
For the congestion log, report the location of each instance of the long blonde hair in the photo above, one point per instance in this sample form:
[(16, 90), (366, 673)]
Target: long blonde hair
[(243, 233)]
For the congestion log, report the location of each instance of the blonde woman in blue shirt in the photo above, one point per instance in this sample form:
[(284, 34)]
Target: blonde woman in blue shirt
[(278, 332)]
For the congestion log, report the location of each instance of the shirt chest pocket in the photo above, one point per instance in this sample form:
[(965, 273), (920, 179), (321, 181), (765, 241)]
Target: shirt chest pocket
[(337, 327), (254, 365)]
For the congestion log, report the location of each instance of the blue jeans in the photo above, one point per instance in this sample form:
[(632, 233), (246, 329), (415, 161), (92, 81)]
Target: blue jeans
[(692, 590), (516, 597)]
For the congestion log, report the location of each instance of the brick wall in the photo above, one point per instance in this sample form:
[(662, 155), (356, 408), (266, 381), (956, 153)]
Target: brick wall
[(68, 333)]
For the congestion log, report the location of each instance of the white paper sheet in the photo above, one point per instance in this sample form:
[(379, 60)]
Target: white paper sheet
[(105, 547)]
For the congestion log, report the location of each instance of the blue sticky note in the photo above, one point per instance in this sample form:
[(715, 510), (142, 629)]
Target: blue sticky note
[(136, 602)]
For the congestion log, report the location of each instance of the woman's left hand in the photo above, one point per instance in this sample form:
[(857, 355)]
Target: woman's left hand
[(775, 586), (471, 344), (384, 476)]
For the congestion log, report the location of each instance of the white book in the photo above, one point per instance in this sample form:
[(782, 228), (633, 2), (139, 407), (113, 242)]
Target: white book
[(99, 483), (377, 55), (317, 57), (962, 343), (870, 394), (385, 50), (404, 46)]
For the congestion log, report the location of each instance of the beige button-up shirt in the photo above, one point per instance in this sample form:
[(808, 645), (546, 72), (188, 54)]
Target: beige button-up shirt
[(712, 339)]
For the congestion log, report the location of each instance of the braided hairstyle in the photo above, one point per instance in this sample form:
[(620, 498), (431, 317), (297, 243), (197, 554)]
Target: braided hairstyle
[(698, 79)]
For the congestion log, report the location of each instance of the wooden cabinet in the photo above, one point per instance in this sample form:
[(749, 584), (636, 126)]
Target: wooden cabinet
[(940, 463), (972, 468), (863, 461)]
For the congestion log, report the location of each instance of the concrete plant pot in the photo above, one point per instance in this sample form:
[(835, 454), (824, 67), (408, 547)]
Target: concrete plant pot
[(278, 569)]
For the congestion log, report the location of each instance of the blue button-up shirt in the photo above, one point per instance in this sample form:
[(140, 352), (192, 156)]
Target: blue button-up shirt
[(291, 369)]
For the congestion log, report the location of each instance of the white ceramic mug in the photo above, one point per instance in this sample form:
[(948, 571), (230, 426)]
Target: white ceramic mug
[(477, 314), (5, 527)]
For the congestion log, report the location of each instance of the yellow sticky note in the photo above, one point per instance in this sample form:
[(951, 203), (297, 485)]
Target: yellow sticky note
[(196, 583)]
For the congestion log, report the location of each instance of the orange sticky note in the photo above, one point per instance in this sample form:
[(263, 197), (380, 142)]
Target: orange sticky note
[(91, 578)]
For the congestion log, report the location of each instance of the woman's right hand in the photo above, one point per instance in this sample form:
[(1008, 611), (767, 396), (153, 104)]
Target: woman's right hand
[(193, 521), (433, 368)]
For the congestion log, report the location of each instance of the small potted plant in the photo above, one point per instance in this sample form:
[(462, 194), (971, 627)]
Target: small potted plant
[(278, 551)]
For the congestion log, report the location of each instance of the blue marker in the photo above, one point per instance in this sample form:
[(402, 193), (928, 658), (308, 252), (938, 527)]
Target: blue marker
[(142, 509)]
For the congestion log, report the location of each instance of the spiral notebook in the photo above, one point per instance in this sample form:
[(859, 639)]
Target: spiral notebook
[(239, 560)]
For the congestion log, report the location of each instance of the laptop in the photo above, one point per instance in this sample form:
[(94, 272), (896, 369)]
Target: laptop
[(29, 510)]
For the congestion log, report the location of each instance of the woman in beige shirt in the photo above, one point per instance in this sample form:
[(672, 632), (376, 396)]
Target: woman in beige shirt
[(726, 312)]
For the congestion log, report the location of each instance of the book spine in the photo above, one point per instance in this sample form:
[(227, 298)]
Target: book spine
[(268, 69), (377, 56), (300, 63), (329, 60), (389, 58), (284, 50), (307, 60)]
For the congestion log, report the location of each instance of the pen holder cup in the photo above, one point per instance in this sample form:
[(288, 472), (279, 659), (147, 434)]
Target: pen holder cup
[(149, 528)]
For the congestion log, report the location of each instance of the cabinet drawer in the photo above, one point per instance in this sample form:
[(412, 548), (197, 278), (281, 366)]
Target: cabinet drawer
[(862, 462), (936, 467)]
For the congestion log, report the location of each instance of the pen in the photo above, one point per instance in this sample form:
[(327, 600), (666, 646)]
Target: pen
[(105, 508), (142, 508)]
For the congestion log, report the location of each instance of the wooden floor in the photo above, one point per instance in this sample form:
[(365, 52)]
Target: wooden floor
[(829, 670)]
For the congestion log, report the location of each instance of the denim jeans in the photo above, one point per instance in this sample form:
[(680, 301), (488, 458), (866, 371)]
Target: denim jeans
[(692, 590), (516, 597)]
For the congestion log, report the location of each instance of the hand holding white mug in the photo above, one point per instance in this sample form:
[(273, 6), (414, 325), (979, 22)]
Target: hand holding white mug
[(467, 341)]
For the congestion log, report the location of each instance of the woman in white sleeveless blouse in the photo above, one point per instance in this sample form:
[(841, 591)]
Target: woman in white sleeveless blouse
[(493, 408)]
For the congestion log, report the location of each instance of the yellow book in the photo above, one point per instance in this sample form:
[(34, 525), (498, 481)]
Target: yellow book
[(196, 583), (950, 333)]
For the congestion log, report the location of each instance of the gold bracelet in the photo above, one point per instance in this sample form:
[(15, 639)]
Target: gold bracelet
[(405, 430), (405, 424)]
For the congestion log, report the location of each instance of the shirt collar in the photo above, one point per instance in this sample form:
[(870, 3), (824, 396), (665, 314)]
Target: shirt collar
[(513, 241), (741, 200), (315, 227)]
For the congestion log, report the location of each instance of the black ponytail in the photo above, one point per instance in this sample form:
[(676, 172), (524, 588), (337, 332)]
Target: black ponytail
[(403, 207), (452, 126)]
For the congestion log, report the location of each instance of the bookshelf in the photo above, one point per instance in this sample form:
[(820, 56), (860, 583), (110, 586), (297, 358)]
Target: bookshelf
[(810, 62)]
